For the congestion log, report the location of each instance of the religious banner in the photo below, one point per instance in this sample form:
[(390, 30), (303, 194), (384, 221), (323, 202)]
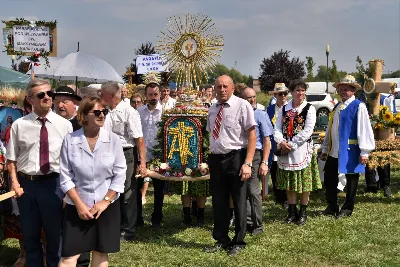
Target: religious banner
[(22, 37), (150, 63)]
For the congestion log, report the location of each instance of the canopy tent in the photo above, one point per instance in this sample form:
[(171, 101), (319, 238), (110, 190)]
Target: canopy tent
[(12, 78)]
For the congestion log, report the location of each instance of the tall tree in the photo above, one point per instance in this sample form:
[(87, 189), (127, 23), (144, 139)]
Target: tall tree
[(221, 69), (280, 68), (395, 74), (250, 81), (361, 71), (310, 64)]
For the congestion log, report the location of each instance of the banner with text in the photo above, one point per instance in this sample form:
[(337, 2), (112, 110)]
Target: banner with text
[(148, 63), (32, 39)]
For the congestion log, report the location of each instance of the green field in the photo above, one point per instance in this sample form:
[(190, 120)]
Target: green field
[(369, 238)]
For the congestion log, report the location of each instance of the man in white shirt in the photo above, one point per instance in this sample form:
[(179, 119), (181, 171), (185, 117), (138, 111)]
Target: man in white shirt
[(232, 131), (150, 115), (124, 94), (166, 101), (33, 154), (348, 140), (124, 121)]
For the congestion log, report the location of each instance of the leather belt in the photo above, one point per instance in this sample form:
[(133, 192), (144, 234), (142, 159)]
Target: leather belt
[(227, 155), (48, 176)]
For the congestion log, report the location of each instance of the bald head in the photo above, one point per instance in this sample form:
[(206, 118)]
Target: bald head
[(250, 95), (224, 88)]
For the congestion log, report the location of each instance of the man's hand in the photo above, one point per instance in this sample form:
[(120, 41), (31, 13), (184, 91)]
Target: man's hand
[(363, 160), (285, 147), (142, 170), (165, 100), (84, 212), (263, 170), (323, 157), (99, 207), (16, 187), (245, 172)]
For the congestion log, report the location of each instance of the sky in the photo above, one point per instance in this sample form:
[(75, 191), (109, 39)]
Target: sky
[(252, 29)]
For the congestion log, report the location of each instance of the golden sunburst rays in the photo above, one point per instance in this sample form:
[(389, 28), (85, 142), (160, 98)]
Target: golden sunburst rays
[(190, 45)]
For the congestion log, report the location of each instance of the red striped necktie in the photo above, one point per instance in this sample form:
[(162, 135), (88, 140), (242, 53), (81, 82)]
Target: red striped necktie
[(218, 121), (44, 147)]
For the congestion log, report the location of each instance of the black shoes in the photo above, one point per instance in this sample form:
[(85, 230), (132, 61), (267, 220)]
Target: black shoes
[(217, 247), (235, 249), (343, 214), (328, 212), (387, 192), (302, 219), (257, 231), (292, 214)]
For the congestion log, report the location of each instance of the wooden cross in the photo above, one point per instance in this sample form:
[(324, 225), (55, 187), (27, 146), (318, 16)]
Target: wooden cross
[(130, 74)]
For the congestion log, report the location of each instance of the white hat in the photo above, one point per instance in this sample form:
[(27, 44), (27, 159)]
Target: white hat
[(349, 80), (279, 88)]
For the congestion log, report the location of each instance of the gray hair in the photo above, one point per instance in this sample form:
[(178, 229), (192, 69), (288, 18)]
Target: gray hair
[(111, 88), (35, 82), (86, 92)]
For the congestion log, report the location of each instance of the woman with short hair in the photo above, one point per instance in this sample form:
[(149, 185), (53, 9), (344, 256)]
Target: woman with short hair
[(297, 163), (92, 174)]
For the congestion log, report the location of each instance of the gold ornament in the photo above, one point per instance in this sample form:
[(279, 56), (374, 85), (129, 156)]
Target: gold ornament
[(183, 134), (189, 46)]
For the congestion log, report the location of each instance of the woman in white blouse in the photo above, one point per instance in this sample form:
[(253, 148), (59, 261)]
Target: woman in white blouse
[(92, 174), (297, 164)]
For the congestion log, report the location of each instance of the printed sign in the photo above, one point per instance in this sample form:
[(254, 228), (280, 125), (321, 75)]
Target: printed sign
[(149, 63), (31, 39)]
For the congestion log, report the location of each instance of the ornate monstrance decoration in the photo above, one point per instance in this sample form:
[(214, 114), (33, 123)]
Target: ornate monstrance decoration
[(190, 46)]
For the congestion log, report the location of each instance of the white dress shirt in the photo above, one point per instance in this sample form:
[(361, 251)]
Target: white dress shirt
[(92, 173), (169, 104), (124, 121), (389, 102), (259, 106), (237, 119), (365, 135), (24, 144), (149, 126)]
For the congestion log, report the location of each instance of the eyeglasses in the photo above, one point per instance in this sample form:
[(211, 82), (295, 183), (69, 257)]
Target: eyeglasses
[(282, 94), (42, 94), (98, 112)]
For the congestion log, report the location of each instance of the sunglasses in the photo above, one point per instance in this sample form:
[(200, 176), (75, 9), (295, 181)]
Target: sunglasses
[(283, 94), (98, 112), (42, 94)]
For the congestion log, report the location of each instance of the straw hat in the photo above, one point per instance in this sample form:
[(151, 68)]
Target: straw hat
[(349, 80), (279, 88)]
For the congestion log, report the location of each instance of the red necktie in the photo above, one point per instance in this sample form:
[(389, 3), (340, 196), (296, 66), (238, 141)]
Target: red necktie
[(44, 147), (217, 124)]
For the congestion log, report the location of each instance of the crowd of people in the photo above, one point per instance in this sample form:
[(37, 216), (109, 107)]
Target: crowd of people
[(76, 157)]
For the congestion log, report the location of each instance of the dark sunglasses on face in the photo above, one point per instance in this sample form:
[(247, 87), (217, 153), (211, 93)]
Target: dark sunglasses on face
[(282, 94), (42, 94), (98, 112)]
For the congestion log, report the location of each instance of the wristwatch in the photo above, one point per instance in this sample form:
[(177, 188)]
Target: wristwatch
[(265, 162), (107, 199), (248, 164)]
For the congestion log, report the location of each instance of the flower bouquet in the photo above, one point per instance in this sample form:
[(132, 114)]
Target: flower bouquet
[(385, 123), (165, 170)]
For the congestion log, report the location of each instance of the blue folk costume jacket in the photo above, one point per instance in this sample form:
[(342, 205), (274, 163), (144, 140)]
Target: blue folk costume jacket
[(271, 114), (349, 150)]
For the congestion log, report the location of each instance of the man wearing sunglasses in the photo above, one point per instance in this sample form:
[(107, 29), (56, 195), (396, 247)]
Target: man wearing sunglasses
[(33, 162), (124, 121), (280, 93)]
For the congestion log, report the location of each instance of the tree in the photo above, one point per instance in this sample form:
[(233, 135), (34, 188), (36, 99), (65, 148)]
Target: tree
[(334, 75), (221, 69), (310, 64), (280, 68), (395, 74), (250, 81), (143, 49), (361, 71)]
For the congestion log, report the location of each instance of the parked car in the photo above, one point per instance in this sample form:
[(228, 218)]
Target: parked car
[(323, 103)]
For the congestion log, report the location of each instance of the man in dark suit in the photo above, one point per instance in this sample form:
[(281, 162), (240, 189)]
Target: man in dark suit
[(65, 103)]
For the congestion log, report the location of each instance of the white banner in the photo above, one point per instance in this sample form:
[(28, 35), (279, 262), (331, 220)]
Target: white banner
[(31, 39), (148, 63)]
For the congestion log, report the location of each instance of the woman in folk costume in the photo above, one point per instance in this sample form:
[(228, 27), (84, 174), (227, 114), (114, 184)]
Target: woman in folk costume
[(297, 164)]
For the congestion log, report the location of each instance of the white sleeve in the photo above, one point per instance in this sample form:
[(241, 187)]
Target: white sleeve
[(278, 136), (365, 135)]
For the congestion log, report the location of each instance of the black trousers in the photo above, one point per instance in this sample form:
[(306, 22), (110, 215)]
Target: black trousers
[(254, 200), (225, 181), (384, 177), (331, 183), (129, 198), (280, 195)]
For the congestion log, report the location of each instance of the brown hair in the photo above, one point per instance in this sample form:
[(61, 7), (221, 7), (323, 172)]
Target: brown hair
[(137, 96), (298, 82), (85, 106)]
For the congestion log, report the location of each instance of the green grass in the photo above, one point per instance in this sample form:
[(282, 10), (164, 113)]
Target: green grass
[(369, 238)]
